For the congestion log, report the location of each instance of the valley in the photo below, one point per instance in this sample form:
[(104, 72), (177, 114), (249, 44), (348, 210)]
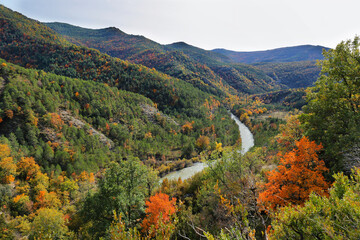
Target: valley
[(247, 141)]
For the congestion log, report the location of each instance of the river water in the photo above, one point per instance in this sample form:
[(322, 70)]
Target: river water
[(247, 140)]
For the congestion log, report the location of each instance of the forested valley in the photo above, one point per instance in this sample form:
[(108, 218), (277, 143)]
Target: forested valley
[(92, 120)]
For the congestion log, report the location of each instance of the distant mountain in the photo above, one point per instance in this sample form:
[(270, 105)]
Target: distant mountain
[(140, 50), (292, 74), (286, 54), (209, 71), (243, 77), (201, 55)]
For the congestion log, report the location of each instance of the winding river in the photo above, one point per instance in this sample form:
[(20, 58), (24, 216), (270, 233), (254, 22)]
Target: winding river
[(247, 142)]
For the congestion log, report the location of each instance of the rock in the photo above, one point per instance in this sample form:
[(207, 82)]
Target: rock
[(67, 117), (151, 112)]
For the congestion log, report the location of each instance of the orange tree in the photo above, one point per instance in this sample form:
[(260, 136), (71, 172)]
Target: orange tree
[(299, 174), (158, 212)]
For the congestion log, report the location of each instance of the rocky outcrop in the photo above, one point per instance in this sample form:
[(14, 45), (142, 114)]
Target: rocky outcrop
[(151, 112), (68, 118)]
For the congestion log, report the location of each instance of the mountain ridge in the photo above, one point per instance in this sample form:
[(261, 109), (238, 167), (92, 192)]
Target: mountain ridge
[(181, 60), (305, 52)]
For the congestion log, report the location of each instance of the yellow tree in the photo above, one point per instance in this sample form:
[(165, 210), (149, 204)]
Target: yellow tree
[(7, 165), (202, 142), (49, 224)]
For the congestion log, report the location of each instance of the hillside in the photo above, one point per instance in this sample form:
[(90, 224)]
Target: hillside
[(68, 124), (139, 50), (175, 98), (85, 119), (286, 54), (292, 74), (42, 52)]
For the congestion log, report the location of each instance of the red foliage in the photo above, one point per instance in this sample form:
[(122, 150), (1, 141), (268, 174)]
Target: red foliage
[(159, 210), (299, 173)]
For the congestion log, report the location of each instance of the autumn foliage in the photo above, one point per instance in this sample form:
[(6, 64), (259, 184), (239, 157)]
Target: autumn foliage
[(187, 127), (28, 169), (159, 210), (202, 142), (300, 173), (54, 120), (7, 165)]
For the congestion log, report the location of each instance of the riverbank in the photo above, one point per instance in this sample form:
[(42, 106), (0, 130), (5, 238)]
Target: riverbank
[(247, 140)]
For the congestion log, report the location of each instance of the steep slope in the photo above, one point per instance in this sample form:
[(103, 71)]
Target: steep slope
[(42, 52), (287, 54), (194, 65), (106, 39), (71, 124), (76, 125), (246, 78)]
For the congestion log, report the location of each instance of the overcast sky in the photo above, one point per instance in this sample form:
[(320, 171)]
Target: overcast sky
[(241, 25)]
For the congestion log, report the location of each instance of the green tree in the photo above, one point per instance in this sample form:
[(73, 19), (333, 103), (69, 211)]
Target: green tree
[(123, 190), (48, 153), (5, 231), (333, 217), (332, 115), (49, 224)]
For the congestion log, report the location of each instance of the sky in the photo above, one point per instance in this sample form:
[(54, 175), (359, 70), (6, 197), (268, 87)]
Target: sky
[(240, 25)]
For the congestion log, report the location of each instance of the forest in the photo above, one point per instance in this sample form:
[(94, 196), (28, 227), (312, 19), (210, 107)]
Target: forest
[(86, 137)]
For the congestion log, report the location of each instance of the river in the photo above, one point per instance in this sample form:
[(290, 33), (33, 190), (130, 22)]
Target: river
[(247, 140)]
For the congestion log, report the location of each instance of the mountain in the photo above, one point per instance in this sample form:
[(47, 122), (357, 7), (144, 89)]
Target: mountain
[(103, 39), (63, 58), (294, 67), (200, 55), (286, 54), (140, 50), (292, 74), (204, 69), (165, 103)]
